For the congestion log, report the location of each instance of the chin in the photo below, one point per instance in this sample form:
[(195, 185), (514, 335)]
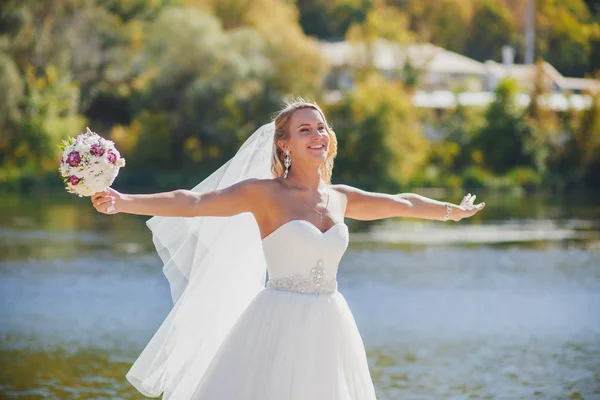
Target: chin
[(318, 161)]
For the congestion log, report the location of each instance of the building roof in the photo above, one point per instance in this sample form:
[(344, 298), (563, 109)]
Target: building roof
[(592, 85), (388, 56), (525, 75)]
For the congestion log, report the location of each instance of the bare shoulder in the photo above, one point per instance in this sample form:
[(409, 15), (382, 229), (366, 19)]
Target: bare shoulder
[(347, 190), (357, 200), (364, 205), (349, 196), (257, 188)]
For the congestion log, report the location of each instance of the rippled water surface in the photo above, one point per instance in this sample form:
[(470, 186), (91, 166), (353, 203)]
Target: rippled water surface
[(504, 306)]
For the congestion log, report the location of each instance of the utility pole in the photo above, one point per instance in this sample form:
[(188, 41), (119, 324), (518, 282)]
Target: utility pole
[(530, 32)]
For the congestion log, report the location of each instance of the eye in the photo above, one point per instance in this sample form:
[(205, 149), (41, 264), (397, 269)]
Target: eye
[(305, 129)]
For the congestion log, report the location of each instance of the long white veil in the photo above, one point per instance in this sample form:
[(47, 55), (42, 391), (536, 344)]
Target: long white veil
[(215, 267)]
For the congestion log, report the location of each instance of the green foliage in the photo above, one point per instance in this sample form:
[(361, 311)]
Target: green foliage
[(564, 34), (543, 124), (594, 59), (66, 142), (476, 178), (380, 137), (387, 23), (297, 64), (579, 160), (47, 113), (524, 177), (331, 19), (442, 22), (179, 84), (587, 136), (205, 81), (128, 10), (503, 139), (11, 89), (493, 26), (459, 126), (567, 31)]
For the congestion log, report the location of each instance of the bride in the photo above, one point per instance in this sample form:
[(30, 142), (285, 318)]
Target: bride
[(271, 208)]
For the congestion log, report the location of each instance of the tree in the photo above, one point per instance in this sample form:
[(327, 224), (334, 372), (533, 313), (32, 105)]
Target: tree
[(47, 113), (383, 24), (201, 85), (331, 19), (380, 137), (563, 35), (442, 22), (503, 139), (11, 89), (542, 121), (456, 151), (493, 26), (581, 156), (297, 63)]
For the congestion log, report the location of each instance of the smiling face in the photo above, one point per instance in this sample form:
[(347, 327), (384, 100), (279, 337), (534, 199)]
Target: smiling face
[(302, 128), (308, 140)]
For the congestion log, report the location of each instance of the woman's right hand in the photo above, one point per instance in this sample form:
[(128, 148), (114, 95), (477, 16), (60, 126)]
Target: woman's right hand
[(241, 197), (107, 201)]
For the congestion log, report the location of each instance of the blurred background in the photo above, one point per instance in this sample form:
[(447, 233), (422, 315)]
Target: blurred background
[(500, 98)]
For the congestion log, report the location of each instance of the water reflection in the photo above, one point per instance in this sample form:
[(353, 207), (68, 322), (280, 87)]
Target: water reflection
[(502, 306)]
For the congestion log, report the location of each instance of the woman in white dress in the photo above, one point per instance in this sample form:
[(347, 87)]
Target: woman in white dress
[(229, 335)]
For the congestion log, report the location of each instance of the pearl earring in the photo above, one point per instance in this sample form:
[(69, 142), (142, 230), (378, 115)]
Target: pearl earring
[(287, 162)]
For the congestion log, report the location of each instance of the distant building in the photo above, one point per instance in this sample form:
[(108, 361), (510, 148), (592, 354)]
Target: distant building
[(439, 68), (525, 75), (446, 77)]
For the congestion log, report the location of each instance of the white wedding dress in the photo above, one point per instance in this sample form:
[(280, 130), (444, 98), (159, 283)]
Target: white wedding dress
[(231, 337), (297, 340)]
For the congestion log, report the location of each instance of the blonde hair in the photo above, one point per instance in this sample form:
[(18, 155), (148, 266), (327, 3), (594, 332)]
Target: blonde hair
[(282, 132)]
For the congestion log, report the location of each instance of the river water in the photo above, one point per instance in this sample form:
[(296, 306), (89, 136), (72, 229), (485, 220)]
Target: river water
[(503, 306)]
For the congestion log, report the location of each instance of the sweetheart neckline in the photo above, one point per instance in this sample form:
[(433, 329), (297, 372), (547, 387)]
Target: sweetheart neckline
[(307, 223)]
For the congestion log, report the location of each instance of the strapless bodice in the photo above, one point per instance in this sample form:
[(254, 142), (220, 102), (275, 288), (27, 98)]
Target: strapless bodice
[(300, 258)]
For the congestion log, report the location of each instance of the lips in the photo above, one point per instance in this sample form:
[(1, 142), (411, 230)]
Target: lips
[(317, 147)]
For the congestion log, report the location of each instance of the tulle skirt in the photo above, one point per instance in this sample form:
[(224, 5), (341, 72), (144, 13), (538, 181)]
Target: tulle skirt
[(289, 346)]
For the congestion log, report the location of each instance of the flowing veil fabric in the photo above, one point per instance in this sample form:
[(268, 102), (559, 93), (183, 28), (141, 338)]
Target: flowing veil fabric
[(215, 266)]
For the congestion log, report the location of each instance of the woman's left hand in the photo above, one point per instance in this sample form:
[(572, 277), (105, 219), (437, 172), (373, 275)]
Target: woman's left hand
[(466, 208)]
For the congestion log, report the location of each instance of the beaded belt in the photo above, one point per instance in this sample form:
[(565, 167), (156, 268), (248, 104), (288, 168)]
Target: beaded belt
[(315, 284)]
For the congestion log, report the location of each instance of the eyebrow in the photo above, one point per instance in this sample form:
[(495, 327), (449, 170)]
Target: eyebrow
[(322, 123)]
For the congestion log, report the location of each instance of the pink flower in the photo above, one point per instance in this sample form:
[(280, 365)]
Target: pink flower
[(74, 180), (97, 150), (112, 157), (62, 161), (73, 159)]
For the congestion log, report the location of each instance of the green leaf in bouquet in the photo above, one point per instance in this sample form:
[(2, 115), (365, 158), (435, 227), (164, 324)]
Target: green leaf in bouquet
[(66, 142)]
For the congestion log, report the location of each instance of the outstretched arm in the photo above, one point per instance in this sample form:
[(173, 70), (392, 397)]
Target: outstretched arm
[(368, 206), (238, 198)]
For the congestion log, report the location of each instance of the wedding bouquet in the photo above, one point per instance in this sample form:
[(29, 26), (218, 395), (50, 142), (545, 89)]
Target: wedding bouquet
[(89, 163)]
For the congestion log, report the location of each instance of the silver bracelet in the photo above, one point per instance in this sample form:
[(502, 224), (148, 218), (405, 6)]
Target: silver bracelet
[(448, 211)]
